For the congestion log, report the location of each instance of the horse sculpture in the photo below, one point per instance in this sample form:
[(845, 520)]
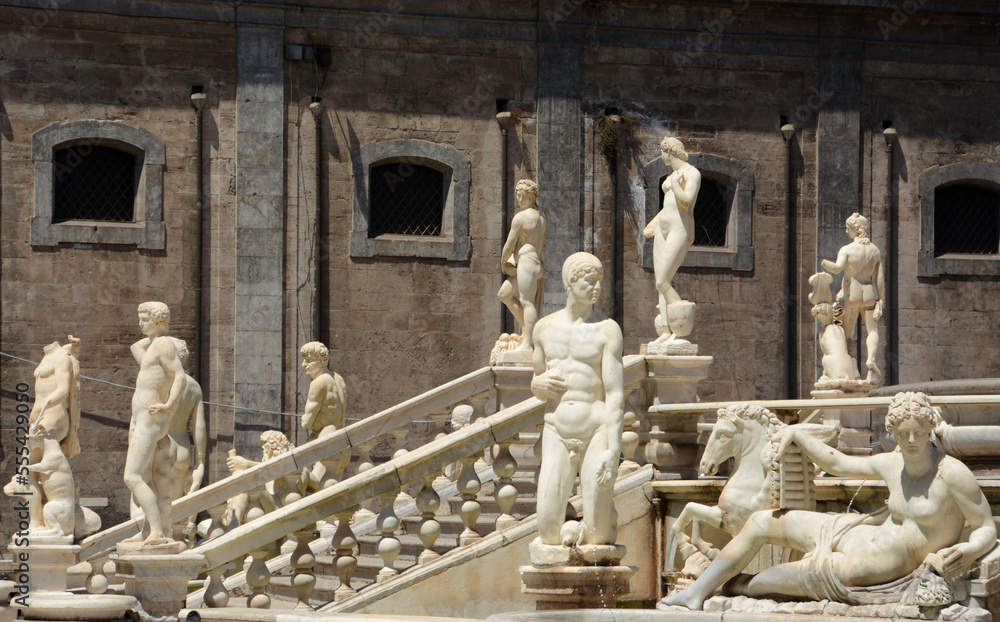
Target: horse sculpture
[(742, 432)]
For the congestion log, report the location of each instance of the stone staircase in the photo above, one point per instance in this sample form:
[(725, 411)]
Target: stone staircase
[(369, 563)]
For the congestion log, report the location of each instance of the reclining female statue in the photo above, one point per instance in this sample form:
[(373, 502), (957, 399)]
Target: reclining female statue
[(931, 498)]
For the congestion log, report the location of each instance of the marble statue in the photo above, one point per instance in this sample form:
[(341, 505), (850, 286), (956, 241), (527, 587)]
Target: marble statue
[(325, 412), (190, 412), (672, 230), (862, 290), (238, 509), (49, 488), (861, 558), (840, 371), (521, 262), (159, 387), (578, 372)]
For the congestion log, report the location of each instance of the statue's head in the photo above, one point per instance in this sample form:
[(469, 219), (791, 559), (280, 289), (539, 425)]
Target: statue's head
[(857, 226), (314, 353), (579, 265), (911, 405), (673, 146), (527, 188), (274, 443), (157, 311)]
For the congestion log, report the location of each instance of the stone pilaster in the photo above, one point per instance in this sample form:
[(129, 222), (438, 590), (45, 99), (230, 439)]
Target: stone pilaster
[(260, 192)]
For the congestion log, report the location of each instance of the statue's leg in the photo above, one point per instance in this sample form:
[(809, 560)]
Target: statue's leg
[(555, 484), (162, 475), (849, 322), (599, 515), (527, 285), (872, 344), (508, 296), (732, 559), (138, 461)]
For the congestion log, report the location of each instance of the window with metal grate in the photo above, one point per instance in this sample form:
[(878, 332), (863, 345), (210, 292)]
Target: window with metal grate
[(967, 220), (406, 199), (711, 213), (93, 183)]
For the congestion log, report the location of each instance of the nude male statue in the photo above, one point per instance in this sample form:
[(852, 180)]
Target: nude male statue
[(862, 290), (325, 412), (578, 371), (159, 387), (521, 261)]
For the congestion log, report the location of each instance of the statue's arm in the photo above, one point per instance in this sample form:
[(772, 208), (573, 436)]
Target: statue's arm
[(964, 488), (651, 227), (687, 188), (838, 266), (613, 375), (171, 363), (546, 384), (139, 349), (826, 457), (880, 288), (314, 402), (511, 244), (200, 444)]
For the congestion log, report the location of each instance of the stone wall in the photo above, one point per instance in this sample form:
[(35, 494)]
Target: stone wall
[(722, 75)]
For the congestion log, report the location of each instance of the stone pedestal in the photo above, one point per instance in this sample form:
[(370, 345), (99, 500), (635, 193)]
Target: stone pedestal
[(671, 444), (159, 581), (856, 431), (576, 587), (513, 383), (41, 566)]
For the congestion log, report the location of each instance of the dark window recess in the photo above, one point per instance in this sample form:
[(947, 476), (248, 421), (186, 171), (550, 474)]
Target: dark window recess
[(966, 220), (93, 183), (711, 213), (405, 199)]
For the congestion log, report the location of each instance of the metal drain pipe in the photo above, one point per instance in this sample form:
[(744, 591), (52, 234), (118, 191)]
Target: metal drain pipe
[(791, 283), (316, 108), (198, 101)]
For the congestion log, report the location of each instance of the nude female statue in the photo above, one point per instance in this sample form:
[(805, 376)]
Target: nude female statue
[(931, 499), (521, 261), (672, 229), (863, 288)]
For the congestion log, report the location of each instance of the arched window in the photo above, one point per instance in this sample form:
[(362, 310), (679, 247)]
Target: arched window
[(959, 220), (98, 182), (722, 212), (411, 199)]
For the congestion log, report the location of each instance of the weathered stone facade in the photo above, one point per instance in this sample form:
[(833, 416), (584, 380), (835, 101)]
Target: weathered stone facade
[(724, 75)]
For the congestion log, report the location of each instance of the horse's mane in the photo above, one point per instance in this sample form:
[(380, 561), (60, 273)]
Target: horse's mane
[(770, 421)]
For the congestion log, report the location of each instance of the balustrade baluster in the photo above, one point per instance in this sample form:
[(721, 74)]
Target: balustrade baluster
[(302, 561), (505, 466), (478, 402), (216, 594), (258, 578), (388, 546), (400, 450), (343, 544), (469, 485), (428, 502), (97, 581), (630, 441)]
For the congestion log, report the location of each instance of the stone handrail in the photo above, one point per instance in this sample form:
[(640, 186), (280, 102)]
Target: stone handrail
[(103, 542), (430, 458), (301, 516)]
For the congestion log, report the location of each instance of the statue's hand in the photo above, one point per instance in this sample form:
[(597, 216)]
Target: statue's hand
[(509, 267), (650, 229), (953, 561), (608, 469), (238, 463), (548, 386), (161, 409), (783, 437), (877, 313)]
